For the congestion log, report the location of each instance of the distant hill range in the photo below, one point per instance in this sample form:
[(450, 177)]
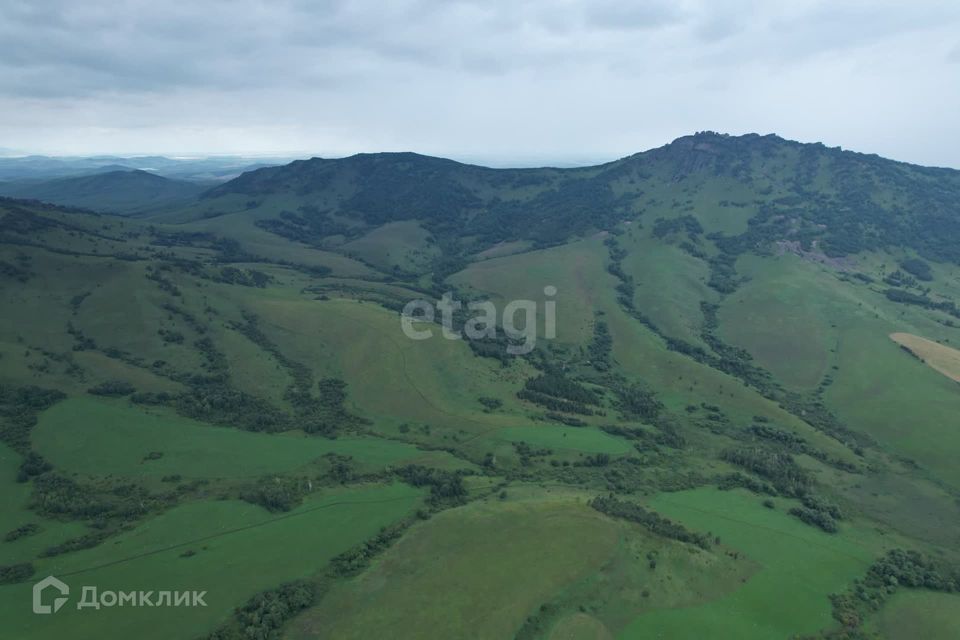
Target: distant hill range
[(111, 184), (214, 169), (124, 192)]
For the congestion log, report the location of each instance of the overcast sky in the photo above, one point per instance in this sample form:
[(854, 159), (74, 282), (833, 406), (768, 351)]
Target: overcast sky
[(501, 82)]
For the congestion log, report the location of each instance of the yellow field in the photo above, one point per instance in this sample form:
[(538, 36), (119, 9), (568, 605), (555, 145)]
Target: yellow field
[(939, 357)]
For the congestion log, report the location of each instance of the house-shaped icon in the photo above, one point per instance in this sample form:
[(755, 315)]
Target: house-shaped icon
[(38, 589)]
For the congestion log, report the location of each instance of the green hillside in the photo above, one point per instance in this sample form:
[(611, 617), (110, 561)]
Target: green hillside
[(721, 441), (125, 192)]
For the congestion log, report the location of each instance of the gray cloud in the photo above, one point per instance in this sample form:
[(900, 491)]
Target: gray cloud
[(544, 80)]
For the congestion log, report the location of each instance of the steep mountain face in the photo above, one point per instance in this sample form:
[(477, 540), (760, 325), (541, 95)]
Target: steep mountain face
[(750, 398), (123, 192)]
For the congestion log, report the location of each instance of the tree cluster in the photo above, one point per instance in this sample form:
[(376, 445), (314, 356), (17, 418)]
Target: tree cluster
[(263, 615), (897, 569), (19, 407), (446, 487), (276, 493), (649, 519)]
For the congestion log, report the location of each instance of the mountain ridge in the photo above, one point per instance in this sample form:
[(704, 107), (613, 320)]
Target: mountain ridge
[(862, 201)]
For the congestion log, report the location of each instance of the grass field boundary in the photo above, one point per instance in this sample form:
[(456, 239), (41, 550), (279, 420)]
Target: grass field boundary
[(752, 525), (230, 532)]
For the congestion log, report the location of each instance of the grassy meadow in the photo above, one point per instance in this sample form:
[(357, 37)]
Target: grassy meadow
[(726, 431), (784, 597), (90, 436), (238, 550)]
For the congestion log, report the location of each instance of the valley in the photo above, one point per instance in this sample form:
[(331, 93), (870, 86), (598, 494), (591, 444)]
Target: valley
[(213, 392)]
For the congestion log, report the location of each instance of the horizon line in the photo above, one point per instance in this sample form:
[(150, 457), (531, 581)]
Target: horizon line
[(491, 161)]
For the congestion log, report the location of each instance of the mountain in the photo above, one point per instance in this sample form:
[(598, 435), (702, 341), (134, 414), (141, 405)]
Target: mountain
[(845, 202), (729, 400), (124, 192)]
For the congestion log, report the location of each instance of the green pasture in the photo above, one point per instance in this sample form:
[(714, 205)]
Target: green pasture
[(238, 550), (396, 244), (585, 439), (394, 379), (910, 614), (577, 270), (799, 567), (111, 437), (476, 571), (669, 285)]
